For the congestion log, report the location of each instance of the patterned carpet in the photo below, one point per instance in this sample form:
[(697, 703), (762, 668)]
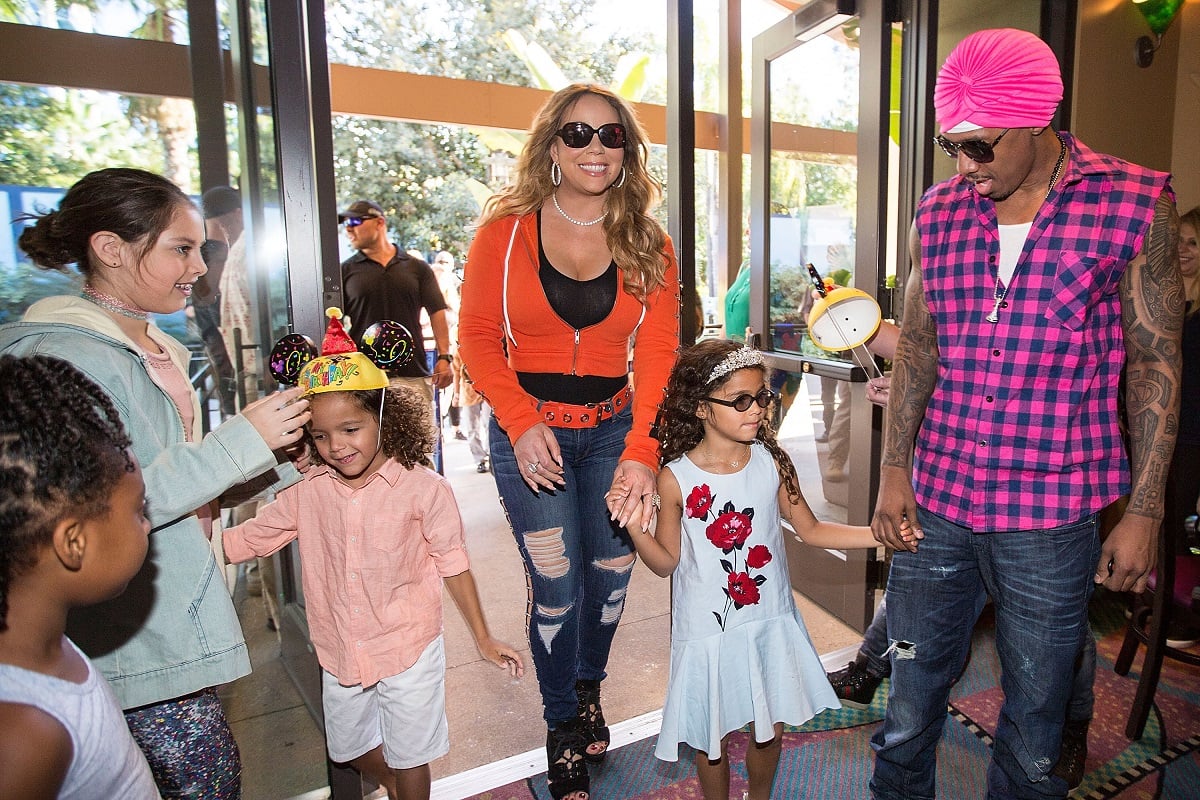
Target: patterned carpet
[(830, 757)]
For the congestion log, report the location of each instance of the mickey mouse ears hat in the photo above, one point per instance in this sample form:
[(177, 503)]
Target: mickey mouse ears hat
[(340, 367)]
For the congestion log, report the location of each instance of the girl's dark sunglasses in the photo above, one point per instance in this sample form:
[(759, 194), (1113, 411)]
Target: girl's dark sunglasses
[(978, 151), (743, 401), (579, 134)]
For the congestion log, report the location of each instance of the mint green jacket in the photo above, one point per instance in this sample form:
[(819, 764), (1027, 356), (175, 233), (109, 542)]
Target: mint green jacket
[(174, 631)]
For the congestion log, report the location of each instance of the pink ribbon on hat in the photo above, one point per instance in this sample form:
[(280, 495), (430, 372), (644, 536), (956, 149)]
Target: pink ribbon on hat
[(998, 78)]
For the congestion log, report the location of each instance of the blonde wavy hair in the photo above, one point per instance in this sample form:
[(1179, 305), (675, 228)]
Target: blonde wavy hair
[(635, 238)]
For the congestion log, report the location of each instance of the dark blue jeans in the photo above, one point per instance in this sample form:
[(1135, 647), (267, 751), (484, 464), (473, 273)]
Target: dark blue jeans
[(1040, 583), (577, 561)]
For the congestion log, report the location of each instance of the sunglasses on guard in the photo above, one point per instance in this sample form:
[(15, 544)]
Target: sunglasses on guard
[(579, 134), (979, 151), (354, 222)]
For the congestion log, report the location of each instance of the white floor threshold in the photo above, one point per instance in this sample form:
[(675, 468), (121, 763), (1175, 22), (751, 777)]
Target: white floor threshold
[(524, 765)]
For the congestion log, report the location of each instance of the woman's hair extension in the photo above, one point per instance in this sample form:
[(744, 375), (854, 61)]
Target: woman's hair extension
[(134, 204), (679, 429), (404, 430), (62, 450), (635, 238)]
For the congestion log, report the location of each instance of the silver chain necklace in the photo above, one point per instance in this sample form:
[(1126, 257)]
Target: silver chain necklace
[(569, 218), (998, 295)]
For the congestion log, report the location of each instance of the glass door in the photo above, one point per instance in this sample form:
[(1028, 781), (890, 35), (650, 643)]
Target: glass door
[(820, 150)]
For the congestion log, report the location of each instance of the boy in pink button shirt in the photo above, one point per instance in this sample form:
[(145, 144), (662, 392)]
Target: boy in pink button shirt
[(379, 533)]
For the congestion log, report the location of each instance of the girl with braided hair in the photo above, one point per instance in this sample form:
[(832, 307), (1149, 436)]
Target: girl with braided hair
[(72, 533), (724, 486)]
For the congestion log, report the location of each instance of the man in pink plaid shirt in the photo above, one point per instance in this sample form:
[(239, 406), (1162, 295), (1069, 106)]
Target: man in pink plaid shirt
[(1041, 272)]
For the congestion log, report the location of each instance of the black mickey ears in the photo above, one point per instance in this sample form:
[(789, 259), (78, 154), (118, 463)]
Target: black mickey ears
[(388, 344), (289, 355)]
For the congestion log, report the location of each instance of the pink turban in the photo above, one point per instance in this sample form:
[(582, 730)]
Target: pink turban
[(998, 78)]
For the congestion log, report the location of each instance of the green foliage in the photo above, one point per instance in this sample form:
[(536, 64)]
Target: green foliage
[(53, 137), (422, 175)]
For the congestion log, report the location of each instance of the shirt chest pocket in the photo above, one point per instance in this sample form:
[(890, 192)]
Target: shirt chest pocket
[(1080, 284)]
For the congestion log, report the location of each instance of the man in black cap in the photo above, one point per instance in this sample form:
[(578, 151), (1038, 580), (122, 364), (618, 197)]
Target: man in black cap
[(381, 281)]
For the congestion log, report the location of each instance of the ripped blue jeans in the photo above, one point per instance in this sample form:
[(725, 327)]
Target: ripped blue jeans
[(577, 561), (1040, 583)]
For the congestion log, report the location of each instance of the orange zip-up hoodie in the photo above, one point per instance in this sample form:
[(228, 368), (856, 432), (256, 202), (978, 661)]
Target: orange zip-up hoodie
[(506, 325)]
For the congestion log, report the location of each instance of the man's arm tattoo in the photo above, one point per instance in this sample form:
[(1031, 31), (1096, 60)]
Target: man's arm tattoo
[(1152, 303), (914, 370)]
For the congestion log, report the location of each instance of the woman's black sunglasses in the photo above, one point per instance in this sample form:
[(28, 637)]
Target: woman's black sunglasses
[(978, 151), (743, 401), (579, 134)]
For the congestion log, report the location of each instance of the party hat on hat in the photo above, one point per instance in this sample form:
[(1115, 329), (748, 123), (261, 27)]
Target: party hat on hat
[(340, 367)]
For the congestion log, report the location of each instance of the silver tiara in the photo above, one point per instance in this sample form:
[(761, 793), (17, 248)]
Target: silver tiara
[(742, 357)]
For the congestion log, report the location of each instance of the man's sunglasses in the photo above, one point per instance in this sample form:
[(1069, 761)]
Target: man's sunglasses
[(354, 222), (978, 151), (214, 251), (579, 134), (743, 401)]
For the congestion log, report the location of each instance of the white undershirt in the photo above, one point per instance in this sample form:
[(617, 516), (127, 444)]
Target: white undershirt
[(1012, 241)]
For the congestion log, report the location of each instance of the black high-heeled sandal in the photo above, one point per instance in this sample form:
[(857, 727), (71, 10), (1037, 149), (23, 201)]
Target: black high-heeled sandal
[(566, 771), (591, 718)]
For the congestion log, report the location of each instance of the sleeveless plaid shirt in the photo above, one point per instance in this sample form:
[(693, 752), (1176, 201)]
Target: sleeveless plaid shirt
[(1021, 432)]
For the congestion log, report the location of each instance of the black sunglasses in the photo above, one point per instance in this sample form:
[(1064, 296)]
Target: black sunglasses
[(214, 251), (743, 401), (579, 134), (978, 151), (354, 222)]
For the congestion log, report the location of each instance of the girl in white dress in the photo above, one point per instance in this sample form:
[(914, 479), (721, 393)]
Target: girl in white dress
[(740, 653)]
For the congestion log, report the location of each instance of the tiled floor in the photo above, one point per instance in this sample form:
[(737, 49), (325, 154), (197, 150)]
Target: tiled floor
[(491, 716)]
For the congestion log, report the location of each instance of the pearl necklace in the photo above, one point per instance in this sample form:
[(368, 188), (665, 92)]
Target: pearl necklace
[(997, 295), (110, 303), (569, 218)]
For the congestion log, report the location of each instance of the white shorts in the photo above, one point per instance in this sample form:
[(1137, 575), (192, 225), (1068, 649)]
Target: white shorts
[(406, 713)]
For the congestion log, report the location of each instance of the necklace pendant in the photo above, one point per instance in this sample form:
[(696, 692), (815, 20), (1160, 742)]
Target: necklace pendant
[(994, 317)]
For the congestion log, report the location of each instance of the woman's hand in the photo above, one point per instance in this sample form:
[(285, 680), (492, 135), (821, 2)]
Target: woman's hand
[(539, 458), (633, 485), (279, 418)]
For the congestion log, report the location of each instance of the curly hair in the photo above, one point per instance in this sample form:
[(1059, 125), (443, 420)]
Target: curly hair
[(62, 450), (404, 433), (635, 238), (679, 429), (132, 203)]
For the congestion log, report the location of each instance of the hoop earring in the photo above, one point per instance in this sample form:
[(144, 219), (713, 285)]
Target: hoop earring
[(555, 173), (621, 180)]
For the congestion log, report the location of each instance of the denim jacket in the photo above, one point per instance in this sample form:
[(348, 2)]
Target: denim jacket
[(174, 631)]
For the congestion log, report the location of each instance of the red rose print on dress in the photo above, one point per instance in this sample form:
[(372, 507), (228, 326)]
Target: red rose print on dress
[(729, 531), (743, 589), (758, 556), (699, 501)]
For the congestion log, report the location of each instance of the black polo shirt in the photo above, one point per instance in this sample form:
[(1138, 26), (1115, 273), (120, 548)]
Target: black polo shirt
[(398, 291)]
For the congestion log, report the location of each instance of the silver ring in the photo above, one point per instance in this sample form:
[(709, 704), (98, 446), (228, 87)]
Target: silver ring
[(657, 501), (533, 467)]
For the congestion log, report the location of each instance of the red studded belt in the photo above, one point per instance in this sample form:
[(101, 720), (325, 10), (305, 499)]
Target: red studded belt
[(588, 415)]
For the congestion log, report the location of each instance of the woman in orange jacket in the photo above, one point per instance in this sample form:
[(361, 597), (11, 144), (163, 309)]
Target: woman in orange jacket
[(568, 268)]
